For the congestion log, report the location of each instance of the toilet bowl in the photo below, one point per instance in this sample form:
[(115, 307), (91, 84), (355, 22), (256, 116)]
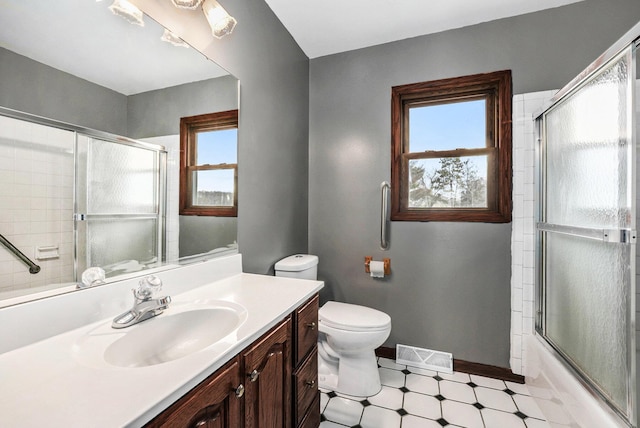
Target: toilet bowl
[(348, 337)]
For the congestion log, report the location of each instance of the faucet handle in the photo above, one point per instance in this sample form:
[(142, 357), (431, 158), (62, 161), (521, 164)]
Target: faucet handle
[(148, 286)]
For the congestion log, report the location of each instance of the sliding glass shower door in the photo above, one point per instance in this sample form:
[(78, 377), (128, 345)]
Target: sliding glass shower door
[(587, 231), (120, 207)]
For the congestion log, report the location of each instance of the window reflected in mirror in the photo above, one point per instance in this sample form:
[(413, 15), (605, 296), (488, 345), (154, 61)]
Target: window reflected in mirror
[(209, 164)]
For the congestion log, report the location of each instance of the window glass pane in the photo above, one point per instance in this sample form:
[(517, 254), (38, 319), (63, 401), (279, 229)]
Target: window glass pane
[(454, 182), (460, 125), (216, 147), (213, 188)]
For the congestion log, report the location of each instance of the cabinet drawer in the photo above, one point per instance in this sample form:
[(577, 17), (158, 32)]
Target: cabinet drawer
[(306, 328), (312, 418), (306, 385)]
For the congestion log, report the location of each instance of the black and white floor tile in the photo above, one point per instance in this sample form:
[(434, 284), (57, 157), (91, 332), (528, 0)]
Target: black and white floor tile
[(418, 398)]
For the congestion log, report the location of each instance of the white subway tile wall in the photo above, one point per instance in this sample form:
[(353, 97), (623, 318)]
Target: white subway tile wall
[(36, 202), (523, 229)]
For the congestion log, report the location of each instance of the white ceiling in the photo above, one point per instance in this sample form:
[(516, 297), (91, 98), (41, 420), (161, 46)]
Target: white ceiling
[(83, 38), (324, 27)]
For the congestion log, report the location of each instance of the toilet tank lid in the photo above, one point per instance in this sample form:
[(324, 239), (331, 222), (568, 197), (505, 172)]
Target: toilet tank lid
[(352, 317), (297, 263)]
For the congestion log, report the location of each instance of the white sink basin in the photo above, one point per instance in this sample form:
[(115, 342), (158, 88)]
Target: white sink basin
[(178, 332)]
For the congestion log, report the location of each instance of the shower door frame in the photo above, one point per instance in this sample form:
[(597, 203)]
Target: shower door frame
[(631, 40)]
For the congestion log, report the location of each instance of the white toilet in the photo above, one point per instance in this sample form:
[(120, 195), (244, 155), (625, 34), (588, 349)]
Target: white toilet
[(349, 335)]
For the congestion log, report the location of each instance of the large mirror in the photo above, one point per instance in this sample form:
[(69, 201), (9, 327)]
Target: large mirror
[(75, 62)]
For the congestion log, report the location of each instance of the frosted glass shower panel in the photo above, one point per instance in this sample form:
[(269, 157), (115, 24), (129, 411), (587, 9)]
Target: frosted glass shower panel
[(124, 179), (121, 245), (120, 205), (587, 296), (589, 152), (587, 230)]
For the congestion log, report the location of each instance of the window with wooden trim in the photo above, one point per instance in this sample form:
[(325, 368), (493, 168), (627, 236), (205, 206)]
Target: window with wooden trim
[(451, 149), (209, 164)]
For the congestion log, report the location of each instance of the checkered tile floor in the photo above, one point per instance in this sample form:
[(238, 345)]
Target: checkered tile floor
[(417, 398)]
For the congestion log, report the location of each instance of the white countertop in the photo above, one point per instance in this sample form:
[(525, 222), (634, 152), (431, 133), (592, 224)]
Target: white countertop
[(48, 383)]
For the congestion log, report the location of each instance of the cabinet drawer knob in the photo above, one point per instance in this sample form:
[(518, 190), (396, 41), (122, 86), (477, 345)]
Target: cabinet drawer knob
[(310, 383), (253, 376), (239, 391), (311, 325)]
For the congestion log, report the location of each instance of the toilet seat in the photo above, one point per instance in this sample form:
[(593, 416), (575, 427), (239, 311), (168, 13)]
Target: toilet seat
[(345, 316)]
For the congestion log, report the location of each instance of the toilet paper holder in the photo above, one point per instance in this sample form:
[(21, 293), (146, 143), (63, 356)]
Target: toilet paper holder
[(387, 265)]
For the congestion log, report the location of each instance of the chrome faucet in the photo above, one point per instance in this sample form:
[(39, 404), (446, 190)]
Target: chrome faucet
[(145, 306)]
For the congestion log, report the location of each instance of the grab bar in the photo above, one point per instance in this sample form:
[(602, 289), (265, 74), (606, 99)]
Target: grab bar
[(33, 268), (385, 188)]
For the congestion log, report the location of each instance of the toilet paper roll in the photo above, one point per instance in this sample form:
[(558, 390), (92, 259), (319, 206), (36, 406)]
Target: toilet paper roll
[(376, 269)]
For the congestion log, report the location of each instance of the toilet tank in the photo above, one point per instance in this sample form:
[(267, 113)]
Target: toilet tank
[(301, 266)]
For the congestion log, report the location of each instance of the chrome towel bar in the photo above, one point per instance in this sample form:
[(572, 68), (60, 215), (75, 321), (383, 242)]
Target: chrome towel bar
[(33, 268)]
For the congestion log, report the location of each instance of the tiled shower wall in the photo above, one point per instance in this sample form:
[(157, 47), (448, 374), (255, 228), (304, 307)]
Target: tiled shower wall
[(36, 202), (523, 226)]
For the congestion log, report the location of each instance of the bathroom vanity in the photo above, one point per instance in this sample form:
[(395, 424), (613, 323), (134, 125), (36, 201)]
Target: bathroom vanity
[(257, 387), (257, 367)]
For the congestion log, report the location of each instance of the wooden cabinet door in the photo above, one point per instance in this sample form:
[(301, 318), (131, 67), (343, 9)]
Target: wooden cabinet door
[(267, 368), (215, 403)]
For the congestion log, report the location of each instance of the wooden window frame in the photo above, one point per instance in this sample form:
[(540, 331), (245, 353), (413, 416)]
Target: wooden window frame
[(189, 126), (495, 88)]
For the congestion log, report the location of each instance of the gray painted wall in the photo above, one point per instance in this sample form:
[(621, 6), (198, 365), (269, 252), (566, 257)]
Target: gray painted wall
[(32, 87), (450, 282), (201, 234), (158, 113)]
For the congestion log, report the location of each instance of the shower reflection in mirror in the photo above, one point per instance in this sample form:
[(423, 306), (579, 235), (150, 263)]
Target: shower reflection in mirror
[(94, 198)]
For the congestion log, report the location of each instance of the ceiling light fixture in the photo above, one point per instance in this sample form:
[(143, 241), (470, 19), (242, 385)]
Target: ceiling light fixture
[(186, 4), (169, 37), (128, 11), (220, 21)]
